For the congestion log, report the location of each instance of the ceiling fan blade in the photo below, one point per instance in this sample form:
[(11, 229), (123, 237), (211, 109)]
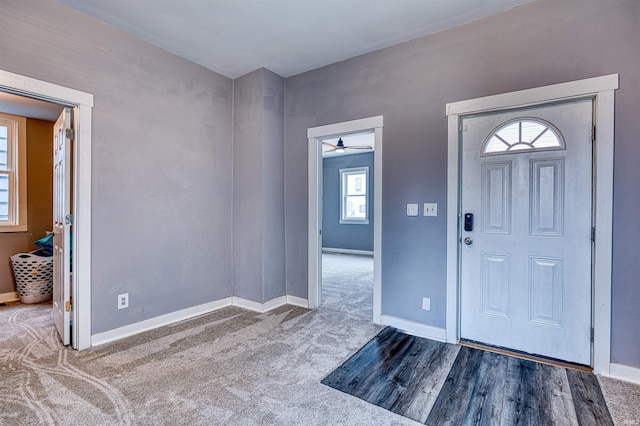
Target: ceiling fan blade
[(328, 144), (330, 150), (358, 147)]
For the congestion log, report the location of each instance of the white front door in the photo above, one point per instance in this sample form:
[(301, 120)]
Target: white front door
[(526, 252), (61, 226)]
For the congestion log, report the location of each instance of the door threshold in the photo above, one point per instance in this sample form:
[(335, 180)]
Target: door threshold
[(523, 355)]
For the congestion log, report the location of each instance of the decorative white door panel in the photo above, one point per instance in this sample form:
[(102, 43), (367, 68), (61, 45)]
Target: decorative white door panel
[(526, 264), (61, 226)]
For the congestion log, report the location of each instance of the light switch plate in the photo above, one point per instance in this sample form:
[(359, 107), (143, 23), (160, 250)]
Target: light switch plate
[(412, 210), (430, 209)]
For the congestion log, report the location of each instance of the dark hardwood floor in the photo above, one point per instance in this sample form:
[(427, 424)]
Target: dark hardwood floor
[(443, 384)]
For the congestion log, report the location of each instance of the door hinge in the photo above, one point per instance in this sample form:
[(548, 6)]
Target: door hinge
[(67, 306), (69, 133), (591, 334), (593, 234), (320, 231), (68, 219), (593, 133)]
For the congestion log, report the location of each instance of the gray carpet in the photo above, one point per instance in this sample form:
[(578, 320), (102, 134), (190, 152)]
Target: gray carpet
[(347, 283), (231, 367)]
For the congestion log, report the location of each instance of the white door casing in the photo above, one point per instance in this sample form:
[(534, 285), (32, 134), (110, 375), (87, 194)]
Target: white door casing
[(61, 226), (602, 89), (82, 104), (526, 266), (315, 136)]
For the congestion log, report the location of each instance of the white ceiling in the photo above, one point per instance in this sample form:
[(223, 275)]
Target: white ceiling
[(234, 37), (28, 107)]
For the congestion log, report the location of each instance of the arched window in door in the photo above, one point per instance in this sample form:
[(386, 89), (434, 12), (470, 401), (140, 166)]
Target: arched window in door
[(523, 134)]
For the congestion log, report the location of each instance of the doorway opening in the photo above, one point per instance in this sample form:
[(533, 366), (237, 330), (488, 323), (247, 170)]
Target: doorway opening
[(347, 223), (76, 307), (353, 211), (26, 202)]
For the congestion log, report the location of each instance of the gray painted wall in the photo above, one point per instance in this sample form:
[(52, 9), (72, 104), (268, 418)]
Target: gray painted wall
[(546, 42), (161, 159), (274, 284), (248, 202), (334, 233), (258, 173)]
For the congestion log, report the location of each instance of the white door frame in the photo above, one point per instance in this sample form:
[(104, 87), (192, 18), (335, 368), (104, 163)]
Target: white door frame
[(315, 136), (82, 104), (601, 89)]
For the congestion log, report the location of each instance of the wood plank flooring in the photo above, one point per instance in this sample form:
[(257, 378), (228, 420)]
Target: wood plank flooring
[(442, 384)]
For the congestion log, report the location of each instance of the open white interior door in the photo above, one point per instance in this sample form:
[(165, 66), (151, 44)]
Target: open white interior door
[(61, 225)]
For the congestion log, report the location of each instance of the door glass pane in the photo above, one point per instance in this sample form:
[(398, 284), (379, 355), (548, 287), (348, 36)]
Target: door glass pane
[(3, 148), (531, 130), (522, 135), (510, 133)]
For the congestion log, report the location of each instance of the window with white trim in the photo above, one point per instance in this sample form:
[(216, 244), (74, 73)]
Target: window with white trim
[(354, 195), (13, 173)]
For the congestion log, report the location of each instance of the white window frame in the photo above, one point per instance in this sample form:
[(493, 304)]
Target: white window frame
[(344, 194), (17, 172)]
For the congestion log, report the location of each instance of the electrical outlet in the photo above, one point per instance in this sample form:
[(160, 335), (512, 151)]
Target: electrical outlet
[(123, 300), (426, 303), (430, 209)]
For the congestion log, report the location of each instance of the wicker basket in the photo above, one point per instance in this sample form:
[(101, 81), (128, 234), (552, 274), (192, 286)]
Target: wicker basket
[(34, 277)]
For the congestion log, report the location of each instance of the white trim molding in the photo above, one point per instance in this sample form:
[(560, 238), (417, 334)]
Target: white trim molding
[(347, 251), (82, 104), (11, 296), (415, 328), (269, 304), (257, 306), (159, 321), (601, 90), (194, 311), (297, 301), (623, 372), (315, 136), (346, 127)]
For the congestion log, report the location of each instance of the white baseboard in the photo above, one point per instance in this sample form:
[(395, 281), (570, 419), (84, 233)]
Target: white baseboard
[(159, 321), (297, 301), (257, 306), (624, 372), (11, 296), (150, 324), (415, 328), (347, 251)]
